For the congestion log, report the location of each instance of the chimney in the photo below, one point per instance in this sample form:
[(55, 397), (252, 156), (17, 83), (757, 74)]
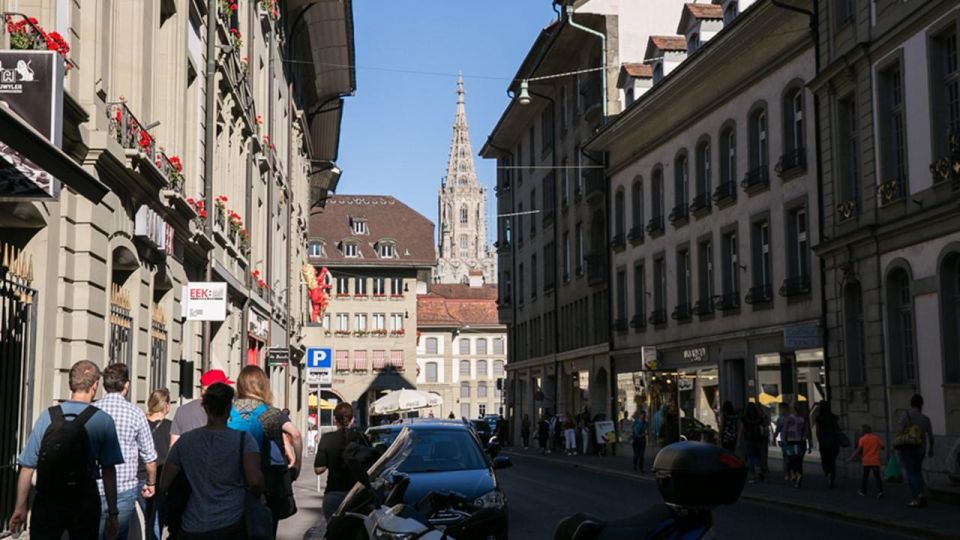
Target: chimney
[(476, 279)]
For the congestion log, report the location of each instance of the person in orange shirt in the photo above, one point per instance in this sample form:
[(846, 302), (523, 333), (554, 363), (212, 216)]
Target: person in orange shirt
[(869, 447)]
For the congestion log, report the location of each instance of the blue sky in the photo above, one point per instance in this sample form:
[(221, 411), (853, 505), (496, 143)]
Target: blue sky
[(397, 129)]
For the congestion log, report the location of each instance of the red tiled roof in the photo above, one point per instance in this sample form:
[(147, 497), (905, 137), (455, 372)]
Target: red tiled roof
[(669, 43), (633, 69), (459, 291), (458, 305), (705, 11), (387, 220)]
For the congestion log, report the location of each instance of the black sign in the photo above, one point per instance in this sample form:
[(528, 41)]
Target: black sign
[(278, 356), (31, 84)]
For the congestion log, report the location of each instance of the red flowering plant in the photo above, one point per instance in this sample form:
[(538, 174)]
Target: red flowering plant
[(27, 33), (197, 205), (220, 207), (244, 239), (245, 65), (171, 167), (258, 281), (271, 8), (236, 225), (228, 8), (236, 39)]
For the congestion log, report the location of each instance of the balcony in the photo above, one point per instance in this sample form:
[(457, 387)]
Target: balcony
[(704, 307), (947, 169), (726, 193), (638, 322), (700, 205), (619, 242), (596, 269), (620, 324), (655, 225), (795, 286), (847, 210), (761, 294), (756, 180), (128, 130), (635, 236), (682, 313), (172, 169), (658, 317), (596, 184), (890, 192), (727, 302), (680, 215), (792, 163)]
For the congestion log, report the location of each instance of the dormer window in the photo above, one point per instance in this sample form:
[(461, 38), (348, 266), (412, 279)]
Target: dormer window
[(358, 226), (350, 249), (316, 249), (693, 43), (387, 250)]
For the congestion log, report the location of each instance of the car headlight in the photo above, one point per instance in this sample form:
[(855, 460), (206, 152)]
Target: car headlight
[(380, 534), (494, 499)]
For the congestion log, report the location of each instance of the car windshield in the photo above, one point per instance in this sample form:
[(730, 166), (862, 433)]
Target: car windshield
[(382, 436), (439, 450)]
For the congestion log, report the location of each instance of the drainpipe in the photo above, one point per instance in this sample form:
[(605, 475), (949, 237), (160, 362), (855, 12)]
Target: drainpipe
[(271, 203), (603, 57), (210, 129), (287, 263)]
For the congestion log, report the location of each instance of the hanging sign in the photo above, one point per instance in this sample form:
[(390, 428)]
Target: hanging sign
[(206, 301)]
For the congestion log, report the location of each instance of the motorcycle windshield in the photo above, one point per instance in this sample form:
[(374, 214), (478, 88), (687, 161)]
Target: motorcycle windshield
[(391, 460)]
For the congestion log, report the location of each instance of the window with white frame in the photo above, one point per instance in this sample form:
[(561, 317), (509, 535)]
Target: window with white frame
[(464, 346), (431, 372), (481, 389), (379, 286), (465, 368), (498, 368), (360, 286), (343, 322), (800, 247), (893, 154), (464, 391), (379, 321), (350, 250), (498, 346), (464, 246), (326, 322), (481, 368), (481, 346), (343, 286), (706, 272), (360, 322), (728, 155), (432, 345), (396, 321), (396, 286), (387, 250), (316, 249), (358, 226), (731, 264)]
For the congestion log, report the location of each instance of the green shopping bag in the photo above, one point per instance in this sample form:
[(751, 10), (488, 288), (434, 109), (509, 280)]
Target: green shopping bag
[(892, 472)]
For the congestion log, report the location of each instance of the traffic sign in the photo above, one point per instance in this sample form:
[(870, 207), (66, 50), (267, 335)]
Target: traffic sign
[(318, 358), (322, 376)]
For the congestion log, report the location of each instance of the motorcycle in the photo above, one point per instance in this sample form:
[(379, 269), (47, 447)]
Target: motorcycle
[(374, 508), (693, 479)]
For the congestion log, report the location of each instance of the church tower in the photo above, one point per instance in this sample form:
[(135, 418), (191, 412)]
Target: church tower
[(463, 249)]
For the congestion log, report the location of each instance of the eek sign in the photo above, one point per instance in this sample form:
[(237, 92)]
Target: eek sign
[(206, 301)]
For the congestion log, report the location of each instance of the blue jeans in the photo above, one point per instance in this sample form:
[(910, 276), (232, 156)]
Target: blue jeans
[(912, 459), (151, 514), (125, 503), (639, 449)]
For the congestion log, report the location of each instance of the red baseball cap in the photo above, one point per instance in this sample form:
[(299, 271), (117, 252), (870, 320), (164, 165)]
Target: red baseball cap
[(214, 376)]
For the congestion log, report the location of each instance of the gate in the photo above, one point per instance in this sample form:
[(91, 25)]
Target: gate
[(158, 348), (121, 329), (17, 322)]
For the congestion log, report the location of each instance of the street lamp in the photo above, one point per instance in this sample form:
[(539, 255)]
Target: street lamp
[(524, 97)]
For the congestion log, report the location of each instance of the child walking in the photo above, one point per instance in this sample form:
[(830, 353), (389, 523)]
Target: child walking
[(869, 447)]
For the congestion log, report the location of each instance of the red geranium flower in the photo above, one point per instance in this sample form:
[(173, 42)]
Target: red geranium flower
[(203, 213), (175, 161), (145, 139)]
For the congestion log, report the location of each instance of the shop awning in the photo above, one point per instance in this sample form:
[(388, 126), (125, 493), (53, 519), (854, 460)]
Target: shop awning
[(24, 139)]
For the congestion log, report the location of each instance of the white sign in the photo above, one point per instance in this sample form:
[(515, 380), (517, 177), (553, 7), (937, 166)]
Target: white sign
[(605, 432), (649, 355), (206, 301), (151, 226), (695, 355)]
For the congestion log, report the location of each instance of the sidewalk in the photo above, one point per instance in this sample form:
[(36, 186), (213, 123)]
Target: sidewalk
[(939, 520), (307, 523)]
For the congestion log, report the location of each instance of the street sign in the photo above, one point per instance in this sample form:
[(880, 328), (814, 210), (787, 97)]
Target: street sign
[(318, 358), (206, 301), (806, 336), (321, 376), (278, 356)]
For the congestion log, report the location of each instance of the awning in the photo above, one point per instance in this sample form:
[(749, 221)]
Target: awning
[(20, 136)]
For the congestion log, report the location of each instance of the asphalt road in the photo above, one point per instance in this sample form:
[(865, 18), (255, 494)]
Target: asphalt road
[(540, 494)]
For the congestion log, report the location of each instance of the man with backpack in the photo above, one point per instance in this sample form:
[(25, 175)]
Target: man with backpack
[(70, 443), (136, 443)]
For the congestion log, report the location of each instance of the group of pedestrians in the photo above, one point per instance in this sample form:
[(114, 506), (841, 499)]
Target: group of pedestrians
[(203, 475), (567, 433)]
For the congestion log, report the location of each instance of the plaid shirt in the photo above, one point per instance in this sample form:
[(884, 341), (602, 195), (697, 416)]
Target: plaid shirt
[(133, 432)]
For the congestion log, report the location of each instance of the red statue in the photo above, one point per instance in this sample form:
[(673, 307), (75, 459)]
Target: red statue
[(319, 290)]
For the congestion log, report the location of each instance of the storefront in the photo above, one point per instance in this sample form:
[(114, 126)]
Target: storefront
[(258, 331)]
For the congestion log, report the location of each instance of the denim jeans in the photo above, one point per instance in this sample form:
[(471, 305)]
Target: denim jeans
[(125, 503), (151, 514), (639, 449), (912, 459)]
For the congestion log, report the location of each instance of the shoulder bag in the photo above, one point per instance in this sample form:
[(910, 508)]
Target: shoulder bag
[(909, 436)]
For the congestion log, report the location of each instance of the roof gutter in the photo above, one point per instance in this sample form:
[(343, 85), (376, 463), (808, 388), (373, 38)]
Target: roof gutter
[(603, 56)]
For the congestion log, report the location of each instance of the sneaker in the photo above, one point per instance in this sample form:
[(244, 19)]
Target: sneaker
[(864, 493)]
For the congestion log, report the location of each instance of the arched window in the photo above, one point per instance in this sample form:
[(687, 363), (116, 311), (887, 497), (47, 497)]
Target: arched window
[(431, 345), (618, 215), (759, 157), (703, 173), (636, 207), (481, 389), (950, 315), (728, 156), (481, 346), (853, 334), (498, 368), (903, 366), (464, 390), (465, 368), (431, 372), (464, 217), (681, 188), (793, 121), (481, 368), (656, 201), (464, 346)]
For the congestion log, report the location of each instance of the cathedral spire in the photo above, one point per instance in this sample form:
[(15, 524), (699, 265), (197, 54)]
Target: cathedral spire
[(460, 168)]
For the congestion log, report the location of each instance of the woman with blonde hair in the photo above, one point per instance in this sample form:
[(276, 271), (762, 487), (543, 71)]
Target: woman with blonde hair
[(158, 407), (279, 440)]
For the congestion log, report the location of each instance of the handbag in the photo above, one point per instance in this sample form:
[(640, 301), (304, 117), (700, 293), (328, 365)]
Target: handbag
[(892, 472), (909, 436), (257, 518)]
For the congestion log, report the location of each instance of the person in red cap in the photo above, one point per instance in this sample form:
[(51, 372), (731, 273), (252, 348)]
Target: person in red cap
[(191, 415)]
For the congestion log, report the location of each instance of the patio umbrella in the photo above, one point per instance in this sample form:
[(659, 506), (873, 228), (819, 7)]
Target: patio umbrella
[(404, 400)]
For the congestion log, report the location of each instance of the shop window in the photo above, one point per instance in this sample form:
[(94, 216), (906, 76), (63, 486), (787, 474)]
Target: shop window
[(900, 320)]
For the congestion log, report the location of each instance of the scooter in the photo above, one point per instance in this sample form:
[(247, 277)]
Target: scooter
[(693, 478)]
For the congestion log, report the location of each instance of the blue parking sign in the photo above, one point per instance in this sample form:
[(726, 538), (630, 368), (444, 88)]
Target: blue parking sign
[(318, 358)]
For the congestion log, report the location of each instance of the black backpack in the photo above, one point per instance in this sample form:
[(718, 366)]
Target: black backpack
[(64, 464)]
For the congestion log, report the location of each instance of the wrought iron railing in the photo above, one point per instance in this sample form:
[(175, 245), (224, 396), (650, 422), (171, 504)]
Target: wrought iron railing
[(704, 307), (700, 203), (619, 241), (756, 179), (795, 159), (658, 316), (172, 170), (727, 301), (655, 225), (635, 234), (128, 130), (620, 324), (795, 286), (682, 312), (638, 322), (725, 192), (761, 294), (680, 213)]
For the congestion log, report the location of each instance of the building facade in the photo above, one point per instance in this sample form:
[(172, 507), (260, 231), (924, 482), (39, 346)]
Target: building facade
[(889, 115), (462, 349), (378, 253), (714, 209), (171, 174), (552, 240), (462, 211)]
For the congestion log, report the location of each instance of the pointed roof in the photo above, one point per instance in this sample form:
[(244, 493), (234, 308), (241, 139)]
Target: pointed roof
[(460, 168)]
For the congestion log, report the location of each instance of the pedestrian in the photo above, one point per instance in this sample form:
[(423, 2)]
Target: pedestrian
[(765, 436), (830, 438), (913, 441), (638, 438), (158, 407), (729, 426), (67, 461), (658, 423), (795, 436), (451, 416), (330, 459), (868, 448), (191, 415), (585, 435), (280, 441), (670, 425), (751, 436), (525, 431), (136, 443), (221, 465), (543, 435), (569, 435)]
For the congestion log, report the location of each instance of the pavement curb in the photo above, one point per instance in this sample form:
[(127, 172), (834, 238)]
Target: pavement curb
[(870, 521)]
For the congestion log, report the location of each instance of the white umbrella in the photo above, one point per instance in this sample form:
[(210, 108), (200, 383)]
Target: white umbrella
[(404, 400)]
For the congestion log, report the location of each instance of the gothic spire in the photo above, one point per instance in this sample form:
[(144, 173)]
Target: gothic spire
[(460, 169)]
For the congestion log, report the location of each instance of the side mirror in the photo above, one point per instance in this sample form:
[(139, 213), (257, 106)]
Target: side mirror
[(502, 462)]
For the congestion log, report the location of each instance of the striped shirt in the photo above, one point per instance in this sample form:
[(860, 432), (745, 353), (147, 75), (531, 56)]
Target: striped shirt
[(136, 442)]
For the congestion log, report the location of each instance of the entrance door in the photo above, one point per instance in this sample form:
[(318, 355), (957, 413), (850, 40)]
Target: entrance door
[(734, 383)]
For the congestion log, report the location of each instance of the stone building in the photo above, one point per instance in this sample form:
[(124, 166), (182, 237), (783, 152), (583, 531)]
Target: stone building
[(552, 243), (379, 254), (889, 117), (714, 209), (462, 349), (462, 211), (170, 174)]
